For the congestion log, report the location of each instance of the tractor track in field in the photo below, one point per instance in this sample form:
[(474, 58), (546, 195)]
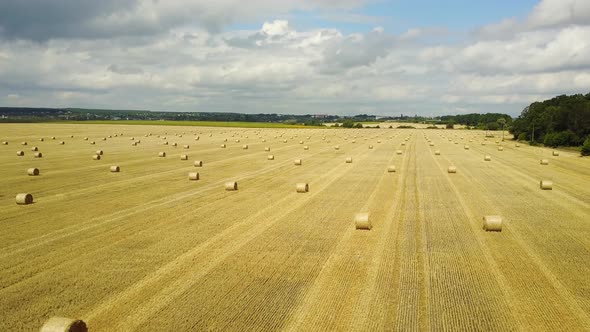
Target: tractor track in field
[(500, 278), (180, 285)]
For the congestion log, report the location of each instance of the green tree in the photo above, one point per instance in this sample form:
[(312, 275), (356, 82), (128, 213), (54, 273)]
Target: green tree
[(586, 147), (348, 123)]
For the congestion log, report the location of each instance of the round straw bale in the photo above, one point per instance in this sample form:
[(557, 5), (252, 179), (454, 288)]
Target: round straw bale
[(466, 147), (437, 152), (223, 145), (231, 186), (300, 142), (370, 146), (41, 139), (353, 141), (361, 221), (24, 199), (306, 147), (452, 169), (184, 157), (38, 155), (544, 162), (161, 154), (336, 147), (398, 152), (100, 152), (20, 153), (297, 162), (487, 158), (104, 138), (4, 143), (186, 146), (96, 157), (93, 142), (555, 153), (391, 168), (245, 146), (225, 139), (500, 148), (134, 144), (302, 187), (61, 324), (24, 143), (62, 142), (348, 160), (115, 169), (270, 157), (196, 138), (284, 141), (33, 171), (165, 143), (174, 144), (193, 176), (52, 137), (492, 223), (267, 149), (546, 184), (198, 163), (133, 138)]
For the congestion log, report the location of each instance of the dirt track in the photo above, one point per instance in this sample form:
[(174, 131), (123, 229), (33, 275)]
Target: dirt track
[(148, 250)]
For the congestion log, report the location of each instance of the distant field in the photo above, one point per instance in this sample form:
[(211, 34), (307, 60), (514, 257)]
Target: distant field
[(147, 249), (192, 123)]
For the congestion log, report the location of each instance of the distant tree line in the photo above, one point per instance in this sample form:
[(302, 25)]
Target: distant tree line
[(487, 121), (22, 114), (560, 121)]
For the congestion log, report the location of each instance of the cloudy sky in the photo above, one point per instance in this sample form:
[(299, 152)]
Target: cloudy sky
[(426, 57)]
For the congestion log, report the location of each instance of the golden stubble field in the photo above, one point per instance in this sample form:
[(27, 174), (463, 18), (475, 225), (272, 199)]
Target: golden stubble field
[(147, 249)]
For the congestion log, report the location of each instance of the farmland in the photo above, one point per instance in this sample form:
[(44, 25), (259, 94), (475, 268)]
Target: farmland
[(146, 249)]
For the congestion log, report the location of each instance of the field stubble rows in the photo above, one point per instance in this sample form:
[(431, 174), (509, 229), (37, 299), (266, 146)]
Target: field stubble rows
[(146, 249)]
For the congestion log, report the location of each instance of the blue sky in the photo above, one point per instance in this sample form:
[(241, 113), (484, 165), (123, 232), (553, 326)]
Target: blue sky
[(398, 16)]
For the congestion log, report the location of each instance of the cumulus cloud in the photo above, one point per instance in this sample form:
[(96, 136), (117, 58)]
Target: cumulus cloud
[(176, 56), (345, 52), (550, 13), (41, 20)]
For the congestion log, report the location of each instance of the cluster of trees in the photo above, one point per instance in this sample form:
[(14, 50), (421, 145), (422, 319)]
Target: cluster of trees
[(350, 123), (488, 121), (560, 121)]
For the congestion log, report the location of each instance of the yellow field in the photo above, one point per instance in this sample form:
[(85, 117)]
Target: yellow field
[(146, 249)]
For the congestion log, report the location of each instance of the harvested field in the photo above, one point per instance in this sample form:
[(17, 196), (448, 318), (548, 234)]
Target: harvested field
[(148, 250)]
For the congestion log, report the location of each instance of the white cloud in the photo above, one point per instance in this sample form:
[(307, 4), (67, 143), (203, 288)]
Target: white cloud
[(549, 13), (188, 65)]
